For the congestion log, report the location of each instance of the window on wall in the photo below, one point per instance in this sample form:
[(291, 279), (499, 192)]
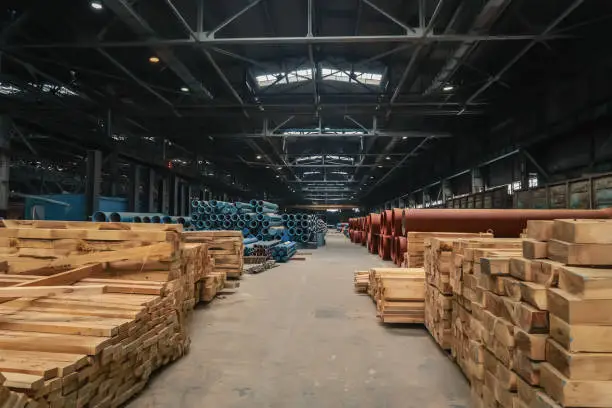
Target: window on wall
[(517, 185)]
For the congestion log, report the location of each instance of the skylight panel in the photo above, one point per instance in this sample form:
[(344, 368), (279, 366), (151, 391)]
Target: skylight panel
[(283, 78), (8, 89)]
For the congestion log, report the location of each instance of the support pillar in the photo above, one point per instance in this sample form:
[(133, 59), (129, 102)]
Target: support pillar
[(134, 192), (477, 181), (151, 187), (447, 191), (174, 196), (94, 182), (164, 193), (5, 161)]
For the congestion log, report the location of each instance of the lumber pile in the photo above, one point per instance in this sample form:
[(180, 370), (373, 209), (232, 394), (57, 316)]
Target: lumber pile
[(89, 310), (10, 398), (470, 318), (578, 353), (361, 281), (399, 294), (415, 255), (225, 247)]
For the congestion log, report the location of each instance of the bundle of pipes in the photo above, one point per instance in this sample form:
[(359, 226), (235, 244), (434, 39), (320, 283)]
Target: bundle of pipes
[(386, 232), (284, 251), (302, 227), (357, 230), (154, 218), (260, 248)]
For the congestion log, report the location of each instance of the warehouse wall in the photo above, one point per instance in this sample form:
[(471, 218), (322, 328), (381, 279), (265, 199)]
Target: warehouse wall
[(564, 124)]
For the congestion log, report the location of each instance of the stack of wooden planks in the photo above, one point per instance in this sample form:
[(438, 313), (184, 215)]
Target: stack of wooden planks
[(225, 247), (438, 292), (415, 255), (399, 294), (578, 367), (361, 281), (469, 331), (10, 398), (89, 310)]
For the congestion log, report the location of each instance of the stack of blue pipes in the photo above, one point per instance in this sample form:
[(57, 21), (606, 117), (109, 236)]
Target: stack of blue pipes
[(284, 251)]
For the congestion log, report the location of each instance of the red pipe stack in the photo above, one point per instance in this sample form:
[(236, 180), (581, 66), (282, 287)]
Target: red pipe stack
[(385, 233)]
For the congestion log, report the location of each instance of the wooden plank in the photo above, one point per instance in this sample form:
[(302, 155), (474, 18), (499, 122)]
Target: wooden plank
[(580, 254), (25, 382), (586, 283), (533, 249), (531, 345), (575, 310), (495, 265), (520, 268), (61, 323), (102, 226), (579, 366), (540, 230), (512, 287), (575, 393), (531, 319), (54, 343), (88, 234), (581, 338), (12, 292), (64, 278), (534, 294), (163, 251), (583, 231), (526, 368)]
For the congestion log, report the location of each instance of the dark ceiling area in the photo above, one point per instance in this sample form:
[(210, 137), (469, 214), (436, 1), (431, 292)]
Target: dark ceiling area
[(351, 101)]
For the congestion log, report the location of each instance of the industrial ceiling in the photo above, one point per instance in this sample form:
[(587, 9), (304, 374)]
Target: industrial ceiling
[(308, 100)]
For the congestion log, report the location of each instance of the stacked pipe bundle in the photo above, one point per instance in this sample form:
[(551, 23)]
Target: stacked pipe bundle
[(260, 248), (302, 227), (146, 218), (356, 231), (256, 218), (284, 251), (386, 233)]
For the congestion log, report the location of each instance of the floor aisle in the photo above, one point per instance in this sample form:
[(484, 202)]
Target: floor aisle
[(298, 336)]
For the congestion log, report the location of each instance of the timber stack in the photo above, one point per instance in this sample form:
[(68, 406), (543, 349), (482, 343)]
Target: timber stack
[(578, 369), (399, 294), (469, 334), (90, 310), (361, 280), (225, 247)]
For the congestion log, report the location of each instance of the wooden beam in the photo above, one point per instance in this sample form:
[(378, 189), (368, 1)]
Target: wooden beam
[(12, 292)]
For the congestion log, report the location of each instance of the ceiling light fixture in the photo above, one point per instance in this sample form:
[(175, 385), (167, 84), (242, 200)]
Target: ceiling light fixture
[(258, 157), (184, 89), (380, 167), (387, 158), (153, 59), (96, 5), (404, 137), (371, 177), (448, 88)]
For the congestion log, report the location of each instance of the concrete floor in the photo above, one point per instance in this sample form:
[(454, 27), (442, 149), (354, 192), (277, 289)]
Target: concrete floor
[(298, 336)]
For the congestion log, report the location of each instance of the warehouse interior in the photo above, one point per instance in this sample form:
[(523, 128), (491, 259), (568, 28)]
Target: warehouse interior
[(449, 159)]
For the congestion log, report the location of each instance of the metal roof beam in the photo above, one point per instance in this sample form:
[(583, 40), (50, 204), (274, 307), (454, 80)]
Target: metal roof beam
[(212, 61), (395, 134), (523, 51), (275, 41), (126, 13), (406, 27), (138, 81)]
